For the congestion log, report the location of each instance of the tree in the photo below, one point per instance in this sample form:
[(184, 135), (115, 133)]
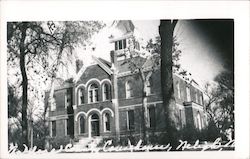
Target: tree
[(166, 30), (136, 66), (220, 103), (36, 41)]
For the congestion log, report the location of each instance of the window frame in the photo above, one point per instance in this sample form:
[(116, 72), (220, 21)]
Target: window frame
[(81, 93), (178, 90), (152, 122), (106, 121), (93, 93), (128, 89), (130, 120), (106, 90), (80, 126), (53, 128)]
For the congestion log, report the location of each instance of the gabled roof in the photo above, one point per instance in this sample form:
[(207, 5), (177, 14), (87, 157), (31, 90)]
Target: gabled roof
[(105, 65)]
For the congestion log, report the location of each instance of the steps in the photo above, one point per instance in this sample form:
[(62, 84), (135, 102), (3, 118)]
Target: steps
[(86, 142)]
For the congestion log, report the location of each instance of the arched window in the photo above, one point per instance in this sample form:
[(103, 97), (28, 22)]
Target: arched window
[(81, 96), (178, 90), (106, 91), (196, 97), (106, 120), (81, 125), (198, 118), (93, 93), (129, 90), (188, 94)]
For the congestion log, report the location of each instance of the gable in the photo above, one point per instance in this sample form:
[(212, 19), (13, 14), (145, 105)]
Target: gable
[(93, 71)]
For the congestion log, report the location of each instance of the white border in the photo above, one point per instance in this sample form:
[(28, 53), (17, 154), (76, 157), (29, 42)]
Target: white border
[(140, 10)]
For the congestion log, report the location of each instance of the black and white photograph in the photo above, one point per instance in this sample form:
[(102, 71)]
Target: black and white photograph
[(120, 86)]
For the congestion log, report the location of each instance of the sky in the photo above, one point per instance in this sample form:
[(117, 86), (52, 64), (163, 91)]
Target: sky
[(206, 45)]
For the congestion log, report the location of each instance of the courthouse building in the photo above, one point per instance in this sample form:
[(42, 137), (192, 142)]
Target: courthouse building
[(105, 98)]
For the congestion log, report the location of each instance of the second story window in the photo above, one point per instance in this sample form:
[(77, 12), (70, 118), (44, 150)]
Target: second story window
[(188, 94), (128, 89), (106, 92), (81, 96), (93, 93), (120, 44)]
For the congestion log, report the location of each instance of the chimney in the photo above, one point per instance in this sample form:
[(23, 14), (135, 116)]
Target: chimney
[(79, 65)]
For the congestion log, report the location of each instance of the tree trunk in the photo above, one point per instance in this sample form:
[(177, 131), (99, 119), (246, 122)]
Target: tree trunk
[(24, 123), (144, 114), (166, 30)]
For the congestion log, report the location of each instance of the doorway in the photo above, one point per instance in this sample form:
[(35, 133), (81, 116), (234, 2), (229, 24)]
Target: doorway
[(95, 125)]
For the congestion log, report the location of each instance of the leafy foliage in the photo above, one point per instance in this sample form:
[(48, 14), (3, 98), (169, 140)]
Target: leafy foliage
[(220, 103), (37, 49)]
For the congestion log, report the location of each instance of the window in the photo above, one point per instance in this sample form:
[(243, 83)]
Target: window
[(67, 127), (178, 90), (130, 121), (82, 124), (106, 122), (152, 121), (81, 96), (106, 92), (68, 97), (196, 97), (52, 103), (201, 100), (198, 120), (129, 91), (53, 128), (121, 44), (93, 93), (188, 94)]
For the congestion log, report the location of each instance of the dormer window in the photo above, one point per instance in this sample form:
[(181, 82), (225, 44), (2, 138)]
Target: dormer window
[(120, 44)]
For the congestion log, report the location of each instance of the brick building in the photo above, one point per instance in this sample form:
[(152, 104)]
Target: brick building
[(105, 98)]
